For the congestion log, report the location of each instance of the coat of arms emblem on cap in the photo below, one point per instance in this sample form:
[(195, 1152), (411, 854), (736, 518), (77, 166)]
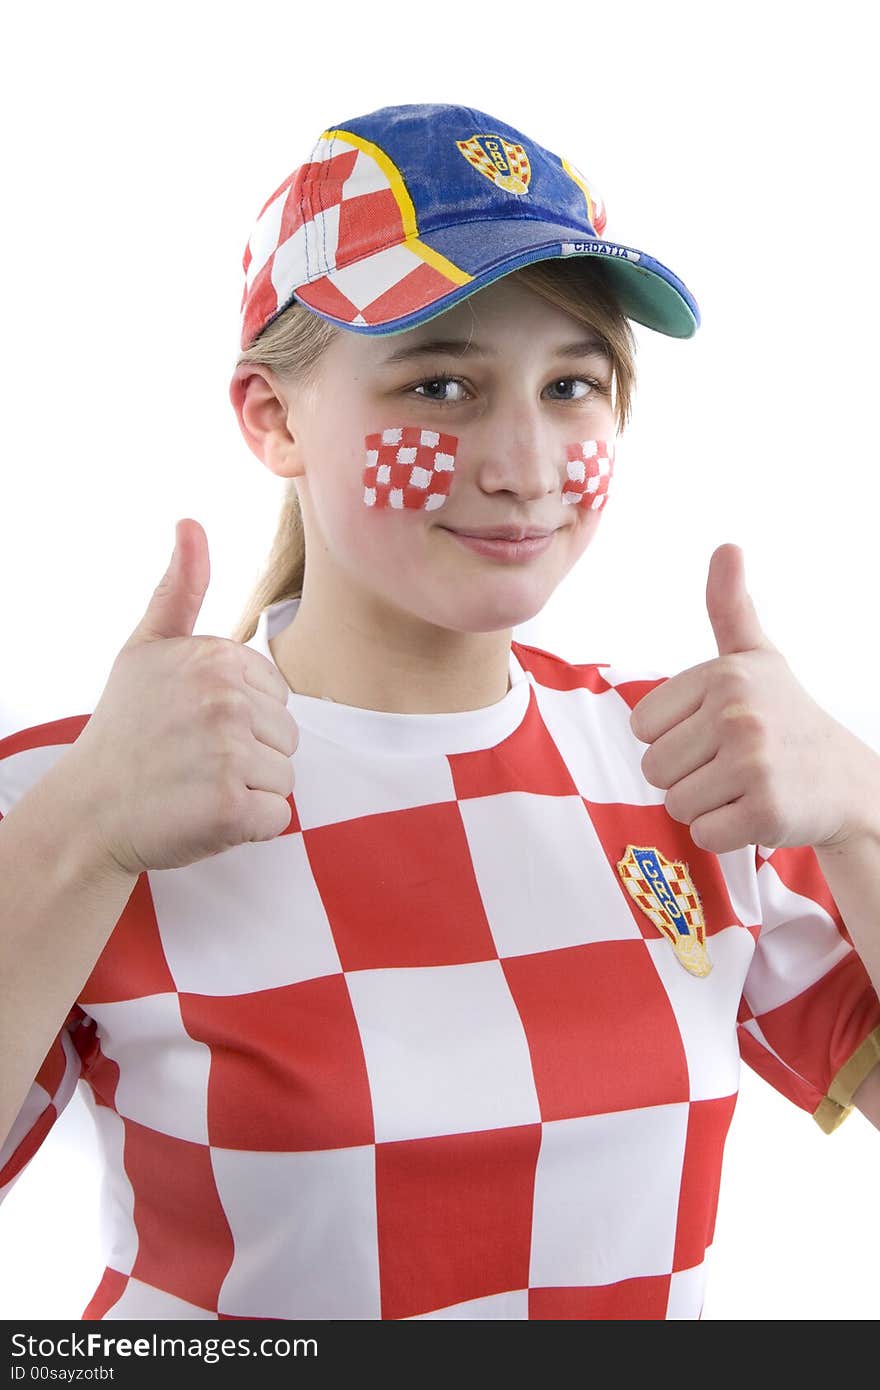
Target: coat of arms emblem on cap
[(506, 164), (665, 892)]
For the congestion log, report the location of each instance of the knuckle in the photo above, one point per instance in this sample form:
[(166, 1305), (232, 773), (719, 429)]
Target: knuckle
[(224, 707), (733, 667), (733, 678), (216, 656), (227, 658), (739, 717), (205, 647)]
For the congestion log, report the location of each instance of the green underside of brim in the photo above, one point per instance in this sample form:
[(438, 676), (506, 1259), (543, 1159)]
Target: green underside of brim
[(649, 300)]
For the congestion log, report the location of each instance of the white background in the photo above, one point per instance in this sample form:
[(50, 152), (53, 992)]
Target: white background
[(736, 144)]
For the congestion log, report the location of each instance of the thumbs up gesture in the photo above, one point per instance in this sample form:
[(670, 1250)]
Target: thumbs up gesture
[(189, 749), (743, 752)]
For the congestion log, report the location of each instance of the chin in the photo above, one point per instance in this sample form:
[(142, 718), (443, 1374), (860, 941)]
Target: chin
[(481, 613)]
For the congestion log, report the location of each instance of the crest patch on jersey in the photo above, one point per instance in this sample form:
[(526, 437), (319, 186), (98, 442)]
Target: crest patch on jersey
[(665, 892), (502, 162)]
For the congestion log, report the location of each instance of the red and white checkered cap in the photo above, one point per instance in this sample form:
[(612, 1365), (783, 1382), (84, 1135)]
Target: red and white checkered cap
[(400, 214)]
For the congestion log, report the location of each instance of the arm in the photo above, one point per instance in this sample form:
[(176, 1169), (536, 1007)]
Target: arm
[(852, 871), (60, 898)]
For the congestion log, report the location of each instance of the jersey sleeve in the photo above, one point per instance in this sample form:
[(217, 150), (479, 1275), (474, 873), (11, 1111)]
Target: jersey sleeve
[(809, 1020), (50, 1092), (26, 756)]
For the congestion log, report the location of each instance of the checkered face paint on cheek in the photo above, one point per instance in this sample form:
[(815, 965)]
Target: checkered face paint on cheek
[(590, 464), (408, 468)]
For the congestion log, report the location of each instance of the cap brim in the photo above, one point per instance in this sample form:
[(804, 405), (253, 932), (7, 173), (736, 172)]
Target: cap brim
[(648, 291)]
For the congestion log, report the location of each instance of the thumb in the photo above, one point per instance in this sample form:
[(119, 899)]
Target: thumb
[(732, 613), (178, 597)]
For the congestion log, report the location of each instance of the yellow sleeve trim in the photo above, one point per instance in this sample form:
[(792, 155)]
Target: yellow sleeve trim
[(835, 1107)]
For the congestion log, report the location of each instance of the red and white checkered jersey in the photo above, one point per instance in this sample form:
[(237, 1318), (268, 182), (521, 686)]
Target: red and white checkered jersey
[(430, 1053)]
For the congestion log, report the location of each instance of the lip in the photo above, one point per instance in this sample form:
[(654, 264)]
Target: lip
[(504, 533), (499, 548)]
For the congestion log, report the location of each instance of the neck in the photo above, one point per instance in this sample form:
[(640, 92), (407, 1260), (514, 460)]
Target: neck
[(369, 660)]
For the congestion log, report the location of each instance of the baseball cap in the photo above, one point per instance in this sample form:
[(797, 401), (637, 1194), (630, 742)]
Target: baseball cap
[(398, 215)]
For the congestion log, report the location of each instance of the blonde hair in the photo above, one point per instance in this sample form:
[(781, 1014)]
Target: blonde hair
[(293, 344)]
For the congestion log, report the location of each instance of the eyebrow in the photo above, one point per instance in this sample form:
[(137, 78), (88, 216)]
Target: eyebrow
[(459, 347)]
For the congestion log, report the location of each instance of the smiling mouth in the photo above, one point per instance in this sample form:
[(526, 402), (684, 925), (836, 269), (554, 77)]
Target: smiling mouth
[(504, 533), (498, 548)]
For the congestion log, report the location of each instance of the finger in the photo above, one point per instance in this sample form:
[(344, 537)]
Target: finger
[(262, 674), (269, 770), (680, 751), (272, 725)]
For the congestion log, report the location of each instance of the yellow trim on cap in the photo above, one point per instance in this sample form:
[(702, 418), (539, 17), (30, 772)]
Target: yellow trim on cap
[(438, 262), (834, 1108), (405, 206), (391, 172), (572, 174)]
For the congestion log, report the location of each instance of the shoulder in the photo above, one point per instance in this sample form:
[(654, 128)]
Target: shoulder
[(555, 672)]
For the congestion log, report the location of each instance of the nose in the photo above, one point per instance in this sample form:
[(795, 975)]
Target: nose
[(515, 451)]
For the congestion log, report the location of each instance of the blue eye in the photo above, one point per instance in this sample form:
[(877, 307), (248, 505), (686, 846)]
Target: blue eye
[(574, 381), (441, 381), (434, 388)]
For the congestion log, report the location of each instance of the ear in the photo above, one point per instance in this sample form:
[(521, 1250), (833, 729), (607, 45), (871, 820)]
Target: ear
[(262, 406)]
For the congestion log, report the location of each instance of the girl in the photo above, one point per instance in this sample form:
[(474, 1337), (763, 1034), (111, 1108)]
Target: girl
[(394, 988)]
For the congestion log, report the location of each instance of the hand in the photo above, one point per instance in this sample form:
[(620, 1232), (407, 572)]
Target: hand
[(747, 757), (189, 749)]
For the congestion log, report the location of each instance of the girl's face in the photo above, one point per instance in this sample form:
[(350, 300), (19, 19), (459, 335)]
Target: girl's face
[(491, 401)]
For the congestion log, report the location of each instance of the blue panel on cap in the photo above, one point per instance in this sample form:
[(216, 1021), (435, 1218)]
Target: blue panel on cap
[(442, 183)]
